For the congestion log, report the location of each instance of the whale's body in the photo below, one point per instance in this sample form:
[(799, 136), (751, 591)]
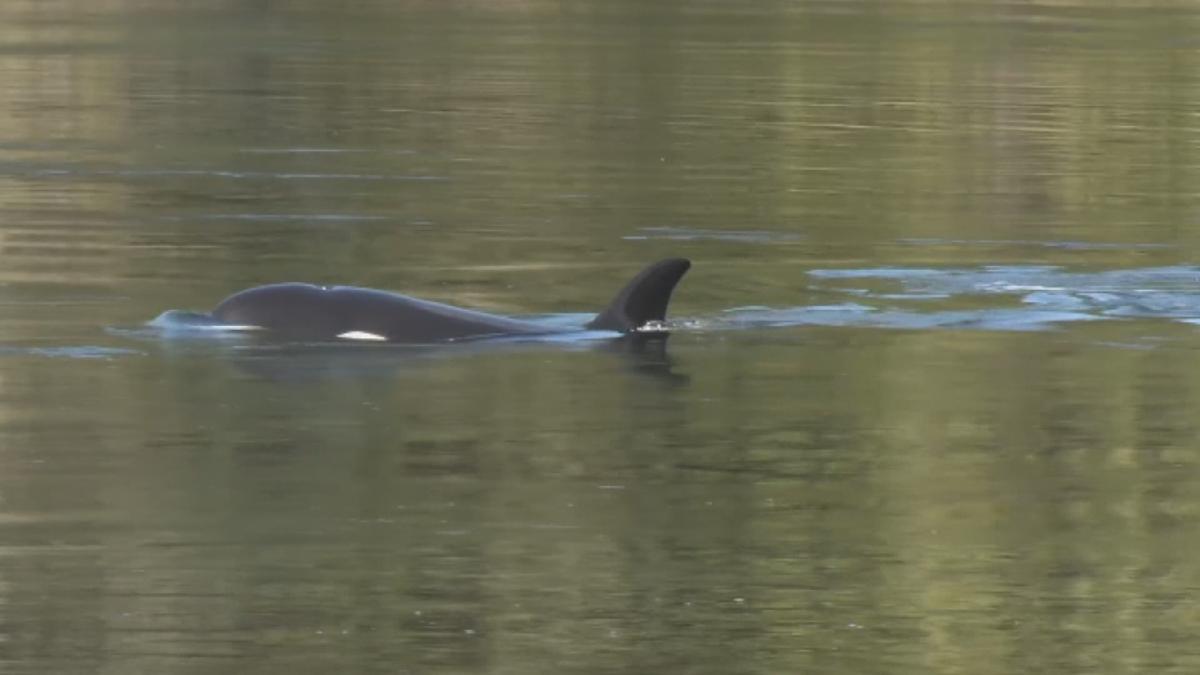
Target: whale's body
[(308, 312)]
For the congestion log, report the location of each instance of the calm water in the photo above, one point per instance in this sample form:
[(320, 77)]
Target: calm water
[(931, 407)]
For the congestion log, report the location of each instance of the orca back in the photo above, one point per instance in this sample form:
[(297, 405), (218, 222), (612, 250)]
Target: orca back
[(309, 312), (302, 311)]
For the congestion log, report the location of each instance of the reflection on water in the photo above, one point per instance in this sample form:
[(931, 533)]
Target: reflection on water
[(784, 487)]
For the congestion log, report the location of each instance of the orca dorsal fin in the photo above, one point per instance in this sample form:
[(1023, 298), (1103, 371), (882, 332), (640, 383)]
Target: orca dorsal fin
[(644, 298)]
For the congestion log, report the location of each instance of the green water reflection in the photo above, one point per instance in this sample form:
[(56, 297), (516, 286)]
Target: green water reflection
[(834, 500)]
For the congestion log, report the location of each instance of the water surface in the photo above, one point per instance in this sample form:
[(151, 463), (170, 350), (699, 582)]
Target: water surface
[(929, 406)]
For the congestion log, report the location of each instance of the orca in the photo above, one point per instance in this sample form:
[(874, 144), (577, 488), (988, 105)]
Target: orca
[(308, 312)]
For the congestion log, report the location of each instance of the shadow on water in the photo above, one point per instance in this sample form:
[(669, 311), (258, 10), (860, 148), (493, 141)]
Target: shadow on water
[(646, 355), (190, 333), (306, 362), (295, 362)]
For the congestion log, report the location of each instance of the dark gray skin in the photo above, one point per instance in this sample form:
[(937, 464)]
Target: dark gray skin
[(297, 311)]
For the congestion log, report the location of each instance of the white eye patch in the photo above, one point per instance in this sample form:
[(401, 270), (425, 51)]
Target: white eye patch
[(362, 335)]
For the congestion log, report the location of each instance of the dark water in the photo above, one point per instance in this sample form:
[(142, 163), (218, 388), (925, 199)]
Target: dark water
[(930, 407)]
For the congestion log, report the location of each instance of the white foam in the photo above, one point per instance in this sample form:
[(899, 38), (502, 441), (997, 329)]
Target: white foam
[(653, 326)]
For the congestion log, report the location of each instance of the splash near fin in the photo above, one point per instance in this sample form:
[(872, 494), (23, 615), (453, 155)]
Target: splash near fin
[(643, 299)]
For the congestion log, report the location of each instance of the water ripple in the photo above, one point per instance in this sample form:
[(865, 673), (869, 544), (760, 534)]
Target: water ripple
[(211, 173), (1171, 292), (69, 352), (690, 234), (1064, 245)]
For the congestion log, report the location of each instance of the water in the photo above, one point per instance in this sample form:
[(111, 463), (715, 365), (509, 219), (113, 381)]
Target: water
[(929, 404)]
